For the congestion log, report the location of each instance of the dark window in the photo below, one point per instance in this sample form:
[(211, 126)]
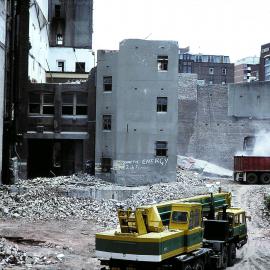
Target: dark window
[(59, 39), (41, 103), (61, 66), (179, 217), (107, 122), (162, 103), (161, 149), (211, 71), (106, 165), (67, 103), (107, 84), (162, 62), (194, 219), (57, 155), (57, 10), (80, 67), (81, 104), (34, 103), (47, 104), (74, 104)]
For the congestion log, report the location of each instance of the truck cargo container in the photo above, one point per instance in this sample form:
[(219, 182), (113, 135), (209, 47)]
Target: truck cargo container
[(252, 169)]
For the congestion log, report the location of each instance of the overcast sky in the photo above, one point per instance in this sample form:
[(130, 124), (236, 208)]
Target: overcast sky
[(229, 27)]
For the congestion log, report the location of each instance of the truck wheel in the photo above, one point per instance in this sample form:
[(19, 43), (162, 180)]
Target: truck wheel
[(224, 259), (231, 254), (187, 266), (265, 178), (199, 265), (252, 178)]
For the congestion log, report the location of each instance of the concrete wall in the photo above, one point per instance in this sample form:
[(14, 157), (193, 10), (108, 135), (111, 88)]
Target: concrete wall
[(2, 71), (39, 41), (136, 124), (75, 23), (208, 132), (249, 100), (70, 56)]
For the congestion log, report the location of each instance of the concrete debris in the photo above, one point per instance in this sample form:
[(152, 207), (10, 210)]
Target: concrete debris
[(11, 255), (40, 198), (203, 167)]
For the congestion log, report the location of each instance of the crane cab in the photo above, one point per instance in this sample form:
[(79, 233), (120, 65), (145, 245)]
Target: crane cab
[(188, 218)]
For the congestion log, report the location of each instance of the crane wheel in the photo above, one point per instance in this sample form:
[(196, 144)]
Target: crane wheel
[(198, 265), (265, 178), (187, 267), (231, 254), (252, 178)]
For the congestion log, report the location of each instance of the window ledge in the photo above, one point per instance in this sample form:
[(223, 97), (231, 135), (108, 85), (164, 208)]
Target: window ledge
[(106, 130)]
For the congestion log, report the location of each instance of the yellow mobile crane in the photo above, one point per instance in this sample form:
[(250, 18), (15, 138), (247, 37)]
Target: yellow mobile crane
[(183, 234)]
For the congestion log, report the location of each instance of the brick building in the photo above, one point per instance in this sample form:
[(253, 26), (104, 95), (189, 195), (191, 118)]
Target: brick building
[(211, 69), (265, 63), (247, 70)]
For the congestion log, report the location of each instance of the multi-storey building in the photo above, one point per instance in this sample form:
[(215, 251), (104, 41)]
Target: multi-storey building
[(50, 127), (60, 35), (137, 112), (246, 70), (211, 69), (265, 63)]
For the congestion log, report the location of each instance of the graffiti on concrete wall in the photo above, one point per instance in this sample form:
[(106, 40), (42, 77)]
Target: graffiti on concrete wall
[(139, 164)]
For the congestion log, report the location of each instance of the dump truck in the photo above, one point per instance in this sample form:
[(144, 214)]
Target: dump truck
[(185, 234), (252, 169), (249, 168)]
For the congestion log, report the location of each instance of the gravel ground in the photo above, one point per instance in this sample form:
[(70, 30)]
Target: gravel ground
[(41, 228)]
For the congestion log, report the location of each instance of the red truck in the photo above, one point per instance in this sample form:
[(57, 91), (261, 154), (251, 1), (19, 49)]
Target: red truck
[(250, 168)]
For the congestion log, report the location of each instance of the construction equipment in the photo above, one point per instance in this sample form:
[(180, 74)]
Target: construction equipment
[(250, 168), (182, 234)]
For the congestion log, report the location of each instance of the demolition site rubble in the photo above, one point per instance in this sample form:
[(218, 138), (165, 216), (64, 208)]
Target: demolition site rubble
[(46, 198)]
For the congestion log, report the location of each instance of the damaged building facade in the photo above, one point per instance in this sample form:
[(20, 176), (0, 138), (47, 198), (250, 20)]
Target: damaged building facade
[(137, 112), (60, 34), (50, 126)]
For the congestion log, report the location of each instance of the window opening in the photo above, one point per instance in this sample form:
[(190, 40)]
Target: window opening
[(80, 67), (161, 149), (106, 164), (61, 66), (59, 39), (162, 62), (57, 10), (162, 103), (107, 122), (211, 71), (74, 104), (107, 83), (179, 217)]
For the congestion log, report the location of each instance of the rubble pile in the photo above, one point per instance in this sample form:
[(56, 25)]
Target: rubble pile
[(11, 255), (40, 199)]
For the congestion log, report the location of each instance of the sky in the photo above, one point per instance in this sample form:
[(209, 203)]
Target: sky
[(236, 28)]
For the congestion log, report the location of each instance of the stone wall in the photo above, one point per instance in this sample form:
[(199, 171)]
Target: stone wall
[(207, 132)]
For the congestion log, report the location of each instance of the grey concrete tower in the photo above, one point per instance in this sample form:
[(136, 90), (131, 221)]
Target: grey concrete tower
[(136, 128)]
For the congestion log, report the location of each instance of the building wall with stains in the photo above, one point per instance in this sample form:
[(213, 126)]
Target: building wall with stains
[(2, 69), (129, 147)]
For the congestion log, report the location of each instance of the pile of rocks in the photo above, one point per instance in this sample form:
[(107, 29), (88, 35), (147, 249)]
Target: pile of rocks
[(11, 255), (40, 199)]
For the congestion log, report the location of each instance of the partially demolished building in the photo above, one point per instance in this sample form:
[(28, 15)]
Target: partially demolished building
[(137, 112)]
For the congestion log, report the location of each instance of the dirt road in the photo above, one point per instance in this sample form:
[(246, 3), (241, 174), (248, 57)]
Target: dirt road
[(75, 239), (256, 254)]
